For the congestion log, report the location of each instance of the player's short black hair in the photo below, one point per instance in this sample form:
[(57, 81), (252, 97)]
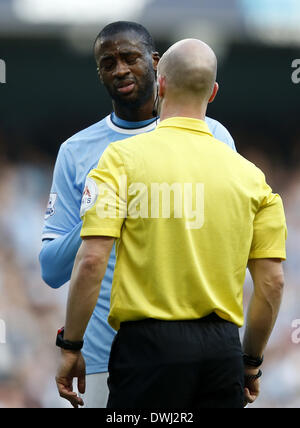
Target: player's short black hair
[(124, 26)]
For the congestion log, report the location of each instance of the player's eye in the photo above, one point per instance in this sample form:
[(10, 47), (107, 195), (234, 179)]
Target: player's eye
[(107, 65), (131, 59)]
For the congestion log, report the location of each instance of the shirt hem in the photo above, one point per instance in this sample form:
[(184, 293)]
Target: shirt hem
[(96, 369), (278, 254), (100, 232)]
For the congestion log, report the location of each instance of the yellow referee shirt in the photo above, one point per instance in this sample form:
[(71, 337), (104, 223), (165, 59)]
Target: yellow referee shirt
[(188, 213)]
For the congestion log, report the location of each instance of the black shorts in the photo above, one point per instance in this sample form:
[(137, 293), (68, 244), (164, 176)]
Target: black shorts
[(158, 364)]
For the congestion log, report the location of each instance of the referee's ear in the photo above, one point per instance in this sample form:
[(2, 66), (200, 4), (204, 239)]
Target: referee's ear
[(161, 86), (214, 92)]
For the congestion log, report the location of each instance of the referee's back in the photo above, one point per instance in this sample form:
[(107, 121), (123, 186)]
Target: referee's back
[(195, 216)]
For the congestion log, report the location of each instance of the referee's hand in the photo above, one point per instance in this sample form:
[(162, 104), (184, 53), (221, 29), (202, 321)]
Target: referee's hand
[(72, 365), (252, 388)]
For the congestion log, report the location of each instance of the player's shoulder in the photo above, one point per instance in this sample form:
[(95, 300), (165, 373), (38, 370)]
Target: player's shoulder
[(220, 131), (214, 124), (86, 134), (82, 141)]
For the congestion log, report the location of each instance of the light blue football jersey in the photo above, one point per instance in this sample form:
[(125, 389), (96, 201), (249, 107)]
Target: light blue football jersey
[(61, 233)]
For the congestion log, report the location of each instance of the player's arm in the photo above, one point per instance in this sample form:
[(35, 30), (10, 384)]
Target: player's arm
[(61, 234), (57, 257)]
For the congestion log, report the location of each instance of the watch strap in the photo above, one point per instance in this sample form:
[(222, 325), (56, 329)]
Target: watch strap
[(67, 344), (253, 377), (252, 361)]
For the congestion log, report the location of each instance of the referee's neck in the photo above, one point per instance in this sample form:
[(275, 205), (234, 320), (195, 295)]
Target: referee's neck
[(182, 113), (171, 108)]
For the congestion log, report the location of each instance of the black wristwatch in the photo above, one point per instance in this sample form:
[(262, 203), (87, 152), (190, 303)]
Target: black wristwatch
[(67, 344), (252, 361)]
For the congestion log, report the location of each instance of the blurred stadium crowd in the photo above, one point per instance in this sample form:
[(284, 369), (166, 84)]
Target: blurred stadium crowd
[(33, 312)]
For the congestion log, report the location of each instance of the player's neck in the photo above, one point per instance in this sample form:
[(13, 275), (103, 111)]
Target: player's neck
[(135, 114)]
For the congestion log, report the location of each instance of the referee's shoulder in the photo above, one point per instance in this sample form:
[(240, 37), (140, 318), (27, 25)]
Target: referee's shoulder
[(244, 165)]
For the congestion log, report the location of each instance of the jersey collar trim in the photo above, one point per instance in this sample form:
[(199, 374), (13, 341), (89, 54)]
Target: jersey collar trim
[(130, 131)]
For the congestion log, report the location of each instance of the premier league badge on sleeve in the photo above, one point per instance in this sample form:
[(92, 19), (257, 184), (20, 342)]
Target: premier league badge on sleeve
[(50, 211), (89, 196)]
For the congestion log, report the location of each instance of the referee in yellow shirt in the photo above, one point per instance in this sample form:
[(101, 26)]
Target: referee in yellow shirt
[(188, 215)]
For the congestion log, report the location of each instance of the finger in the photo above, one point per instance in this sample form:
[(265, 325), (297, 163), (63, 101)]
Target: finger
[(77, 401), (81, 384), (80, 401), (68, 395), (71, 397), (65, 391), (249, 398)]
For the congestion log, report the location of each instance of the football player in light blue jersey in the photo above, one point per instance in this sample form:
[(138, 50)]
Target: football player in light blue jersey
[(127, 63)]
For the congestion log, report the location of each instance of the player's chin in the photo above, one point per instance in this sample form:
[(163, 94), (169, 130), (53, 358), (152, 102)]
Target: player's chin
[(130, 98)]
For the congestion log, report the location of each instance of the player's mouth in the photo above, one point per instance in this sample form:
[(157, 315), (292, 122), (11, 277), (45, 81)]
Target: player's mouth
[(126, 87)]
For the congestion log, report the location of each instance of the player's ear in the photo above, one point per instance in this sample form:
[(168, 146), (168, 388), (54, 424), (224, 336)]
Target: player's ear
[(214, 92), (99, 74), (155, 60)]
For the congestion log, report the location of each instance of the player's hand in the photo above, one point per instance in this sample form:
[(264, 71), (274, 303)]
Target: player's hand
[(72, 365), (251, 389)]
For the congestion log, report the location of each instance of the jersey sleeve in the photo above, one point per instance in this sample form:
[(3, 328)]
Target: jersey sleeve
[(269, 228), (62, 213), (57, 257), (104, 202)]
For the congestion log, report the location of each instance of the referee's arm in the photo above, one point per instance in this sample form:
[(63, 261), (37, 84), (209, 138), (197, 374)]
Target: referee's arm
[(268, 279), (265, 266)]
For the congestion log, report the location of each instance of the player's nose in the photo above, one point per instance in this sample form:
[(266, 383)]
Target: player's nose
[(121, 69)]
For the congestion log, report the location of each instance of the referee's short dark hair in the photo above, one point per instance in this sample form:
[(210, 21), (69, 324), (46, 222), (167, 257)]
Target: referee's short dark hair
[(127, 26)]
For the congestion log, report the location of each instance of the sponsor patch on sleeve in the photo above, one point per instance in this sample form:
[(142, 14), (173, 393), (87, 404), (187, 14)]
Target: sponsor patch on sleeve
[(50, 211), (90, 195)]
